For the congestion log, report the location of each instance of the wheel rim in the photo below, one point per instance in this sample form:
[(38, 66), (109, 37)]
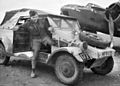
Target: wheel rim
[(2, 55), (67, 69)]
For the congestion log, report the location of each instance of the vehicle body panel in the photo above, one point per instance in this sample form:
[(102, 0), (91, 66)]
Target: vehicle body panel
[(6, 37)]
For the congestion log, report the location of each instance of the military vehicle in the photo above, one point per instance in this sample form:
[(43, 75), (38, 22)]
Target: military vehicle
[(68, 56)]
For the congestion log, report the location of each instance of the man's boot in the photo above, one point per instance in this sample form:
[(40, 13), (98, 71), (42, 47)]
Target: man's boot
[(33, 73)]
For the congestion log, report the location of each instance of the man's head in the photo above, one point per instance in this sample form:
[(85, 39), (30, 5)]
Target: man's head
[(32, 13)]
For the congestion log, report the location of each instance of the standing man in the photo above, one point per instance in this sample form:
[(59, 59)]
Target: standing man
[(38, 36)]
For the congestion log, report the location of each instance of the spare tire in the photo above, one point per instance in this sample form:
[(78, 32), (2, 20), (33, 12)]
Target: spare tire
[(94, 40)]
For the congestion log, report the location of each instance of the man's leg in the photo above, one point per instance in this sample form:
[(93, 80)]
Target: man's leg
[(36, 48)]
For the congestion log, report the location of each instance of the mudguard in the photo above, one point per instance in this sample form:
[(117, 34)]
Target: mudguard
[(71, 50), (75, 51), (6, 37)]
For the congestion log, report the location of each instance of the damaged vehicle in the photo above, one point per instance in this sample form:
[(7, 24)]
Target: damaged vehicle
[(68, 56), (94, 18)]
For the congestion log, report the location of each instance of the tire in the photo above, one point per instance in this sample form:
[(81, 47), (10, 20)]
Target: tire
[(3, 58), (68, 70), (105, 68)]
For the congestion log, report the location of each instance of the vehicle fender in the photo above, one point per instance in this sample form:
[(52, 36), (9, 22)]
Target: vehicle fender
[(74, 51), (6, 37), (6, 43)]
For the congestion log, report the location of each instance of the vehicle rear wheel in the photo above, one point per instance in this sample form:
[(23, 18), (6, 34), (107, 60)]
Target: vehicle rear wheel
[(105, 68), (68, 70), (3, 58)]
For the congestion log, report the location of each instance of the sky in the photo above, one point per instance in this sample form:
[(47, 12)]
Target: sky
[(51, 6)]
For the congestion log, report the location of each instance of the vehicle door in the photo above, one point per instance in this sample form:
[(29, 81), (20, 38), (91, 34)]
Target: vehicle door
[(21, 39)]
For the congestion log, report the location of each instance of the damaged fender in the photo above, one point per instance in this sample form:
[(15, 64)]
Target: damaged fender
[(71, 50), (6, 37), (75, 51)]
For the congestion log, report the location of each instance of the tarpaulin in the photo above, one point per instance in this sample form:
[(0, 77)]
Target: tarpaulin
[(11, 17)]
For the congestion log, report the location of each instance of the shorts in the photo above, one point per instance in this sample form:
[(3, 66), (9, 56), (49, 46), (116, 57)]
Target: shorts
[(36, 44)]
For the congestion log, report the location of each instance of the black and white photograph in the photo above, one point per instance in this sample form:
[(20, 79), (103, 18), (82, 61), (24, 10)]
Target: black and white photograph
[(59, 42)]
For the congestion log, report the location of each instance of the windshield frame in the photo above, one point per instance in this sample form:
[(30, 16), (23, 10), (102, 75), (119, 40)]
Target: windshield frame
[(72, 25)]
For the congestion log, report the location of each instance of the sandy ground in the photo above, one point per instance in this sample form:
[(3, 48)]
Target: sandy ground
[(17, 73)]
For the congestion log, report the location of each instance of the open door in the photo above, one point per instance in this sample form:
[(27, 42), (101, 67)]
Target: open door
[(21, 39)]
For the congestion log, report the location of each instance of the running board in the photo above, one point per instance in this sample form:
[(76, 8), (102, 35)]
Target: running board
[(43, 57)]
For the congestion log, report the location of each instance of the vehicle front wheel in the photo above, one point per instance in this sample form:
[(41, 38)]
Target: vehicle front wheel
[(3, 58), (68, 70), (105, 68)]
